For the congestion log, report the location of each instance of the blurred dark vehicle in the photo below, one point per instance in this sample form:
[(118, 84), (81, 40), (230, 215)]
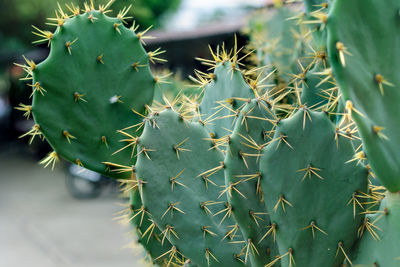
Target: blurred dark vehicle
[(85, 184)]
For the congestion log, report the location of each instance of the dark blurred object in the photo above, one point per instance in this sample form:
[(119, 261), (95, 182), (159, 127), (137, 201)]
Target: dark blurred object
[(85, 184), (5, 110), (182, 48)]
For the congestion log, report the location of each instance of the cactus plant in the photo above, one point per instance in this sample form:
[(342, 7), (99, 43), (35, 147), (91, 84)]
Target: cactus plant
[(249, 176)]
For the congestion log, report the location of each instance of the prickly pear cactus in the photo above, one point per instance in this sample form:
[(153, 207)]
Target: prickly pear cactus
[(363, 38), (179, 177), (310, 190), (254, 175), (97, 71)]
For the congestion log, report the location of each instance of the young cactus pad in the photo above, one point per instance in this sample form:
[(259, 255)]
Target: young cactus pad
[(180, 177), (364, 53), (311, 191), (223, 97), (253, 128), (96, 72)]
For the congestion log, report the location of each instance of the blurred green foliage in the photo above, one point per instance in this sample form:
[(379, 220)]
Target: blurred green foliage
[(16, 15), (173, 86)]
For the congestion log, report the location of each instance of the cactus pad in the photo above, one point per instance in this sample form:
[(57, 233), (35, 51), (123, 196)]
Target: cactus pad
[(253, 128), (223, 97), (310, 191), (96, 72), (364, 51), (180, 176)]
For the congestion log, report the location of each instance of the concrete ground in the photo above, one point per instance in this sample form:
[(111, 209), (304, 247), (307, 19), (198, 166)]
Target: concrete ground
[(41, 225)]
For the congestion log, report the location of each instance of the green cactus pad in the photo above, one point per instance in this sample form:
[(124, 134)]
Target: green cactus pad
[(364, 51), (180, 177), (223, 97), (253, 127), (380, 246), (311, 189), (96, 72)]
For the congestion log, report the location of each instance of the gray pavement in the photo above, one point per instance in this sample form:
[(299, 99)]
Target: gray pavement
[(41, 225)]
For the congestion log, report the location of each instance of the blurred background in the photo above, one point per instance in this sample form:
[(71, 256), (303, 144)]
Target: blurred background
[(64, 217)]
